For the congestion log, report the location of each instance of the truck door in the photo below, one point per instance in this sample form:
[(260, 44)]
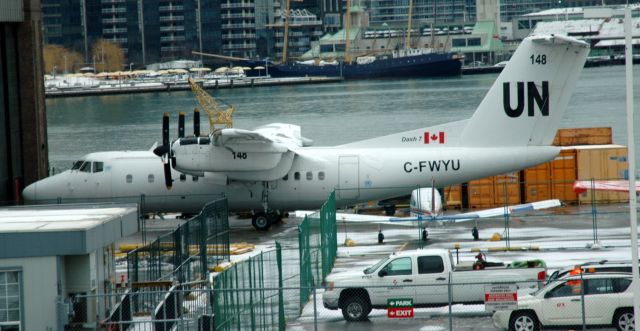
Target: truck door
[(394, 281), (431, 280)]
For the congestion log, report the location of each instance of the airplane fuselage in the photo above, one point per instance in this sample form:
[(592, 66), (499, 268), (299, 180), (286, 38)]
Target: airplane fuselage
[(357, 175)]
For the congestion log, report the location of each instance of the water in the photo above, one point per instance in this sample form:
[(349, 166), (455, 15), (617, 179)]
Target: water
[(329, 114)]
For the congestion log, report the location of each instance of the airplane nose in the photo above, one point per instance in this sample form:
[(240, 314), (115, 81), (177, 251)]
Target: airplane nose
[(29, 193)]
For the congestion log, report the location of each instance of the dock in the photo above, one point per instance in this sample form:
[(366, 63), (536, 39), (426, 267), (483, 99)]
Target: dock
[(125, 87)]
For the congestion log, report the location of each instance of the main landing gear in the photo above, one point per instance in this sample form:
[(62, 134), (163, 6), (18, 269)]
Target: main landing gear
[(263, 220)]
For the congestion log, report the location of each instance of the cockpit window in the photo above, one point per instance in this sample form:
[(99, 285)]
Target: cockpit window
[(77, 164), (86, 167), (98, 166)]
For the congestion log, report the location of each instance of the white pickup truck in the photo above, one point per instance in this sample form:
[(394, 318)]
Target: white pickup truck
[(423, 276)]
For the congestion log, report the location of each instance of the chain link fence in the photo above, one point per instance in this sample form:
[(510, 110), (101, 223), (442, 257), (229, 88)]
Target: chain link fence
[(187, 253)]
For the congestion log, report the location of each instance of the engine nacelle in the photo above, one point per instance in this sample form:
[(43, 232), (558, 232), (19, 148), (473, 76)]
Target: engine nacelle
[(251, 160), (199, 155)]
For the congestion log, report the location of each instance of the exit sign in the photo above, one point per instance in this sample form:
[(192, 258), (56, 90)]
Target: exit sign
[(400, 308)]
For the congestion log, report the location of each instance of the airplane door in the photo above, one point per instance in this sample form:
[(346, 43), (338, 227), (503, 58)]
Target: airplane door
[(348, 178)]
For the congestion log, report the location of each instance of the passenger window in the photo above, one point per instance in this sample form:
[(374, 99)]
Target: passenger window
[(321, 175), (598, 286), (150, 178), (296, 175), (286, 177), (98, 166), (76, 165), (401, 266), (430, 265), (309, 175), (129, 179), (620, 284), (86, 167), (567, 289)]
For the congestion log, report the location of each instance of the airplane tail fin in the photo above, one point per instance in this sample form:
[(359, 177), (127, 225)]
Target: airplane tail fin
[(527, 101)]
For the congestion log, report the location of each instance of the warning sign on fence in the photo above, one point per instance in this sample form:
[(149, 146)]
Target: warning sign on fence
[(500, 297), (400, 308)]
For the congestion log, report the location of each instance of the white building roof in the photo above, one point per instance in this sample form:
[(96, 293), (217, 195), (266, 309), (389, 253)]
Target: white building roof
[(591, 28), (49, 230)]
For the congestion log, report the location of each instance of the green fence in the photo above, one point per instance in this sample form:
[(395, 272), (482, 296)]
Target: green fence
[(187, 253), (318, 245), (248, 295), (266, 290)]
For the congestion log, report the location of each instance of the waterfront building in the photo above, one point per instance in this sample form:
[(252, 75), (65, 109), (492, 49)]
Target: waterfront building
[(603, 29), (148, 31), (23, 131), (524, 25), (304, 28)]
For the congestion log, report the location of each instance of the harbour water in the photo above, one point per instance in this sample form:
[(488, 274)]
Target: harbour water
[(329, 114)]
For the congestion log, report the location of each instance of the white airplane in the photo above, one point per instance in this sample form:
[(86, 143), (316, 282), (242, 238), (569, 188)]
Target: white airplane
[(273, 167)]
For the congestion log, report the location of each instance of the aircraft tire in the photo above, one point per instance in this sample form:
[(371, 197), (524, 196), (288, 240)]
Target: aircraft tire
[(261, 221)]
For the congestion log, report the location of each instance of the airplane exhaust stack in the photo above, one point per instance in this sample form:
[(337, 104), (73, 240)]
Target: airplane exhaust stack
[(196, 122), (181, 125)]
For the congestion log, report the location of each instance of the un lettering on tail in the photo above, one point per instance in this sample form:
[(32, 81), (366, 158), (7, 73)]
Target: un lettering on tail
[(527, 101)]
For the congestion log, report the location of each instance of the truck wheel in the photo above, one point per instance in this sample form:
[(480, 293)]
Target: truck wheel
[(356, 309), (524, 321), (623, 320), (261, 222)]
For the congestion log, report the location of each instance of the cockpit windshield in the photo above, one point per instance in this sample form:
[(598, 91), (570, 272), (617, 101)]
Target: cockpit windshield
[(77, 164), (86, 167)]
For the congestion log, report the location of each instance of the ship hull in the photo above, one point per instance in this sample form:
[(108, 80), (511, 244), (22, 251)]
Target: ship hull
[(426, 65)]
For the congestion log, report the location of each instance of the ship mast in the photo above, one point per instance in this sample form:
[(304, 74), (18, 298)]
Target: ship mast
[(285, 43), (347, 44), (407, 43)]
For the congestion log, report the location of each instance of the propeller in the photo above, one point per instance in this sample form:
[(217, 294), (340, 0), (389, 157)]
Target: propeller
[(164, 150)]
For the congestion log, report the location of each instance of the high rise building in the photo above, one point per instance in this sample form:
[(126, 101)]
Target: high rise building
[(147, 30)]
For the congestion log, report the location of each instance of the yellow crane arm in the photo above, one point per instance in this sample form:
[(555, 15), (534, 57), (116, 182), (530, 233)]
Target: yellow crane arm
[(217, 115)]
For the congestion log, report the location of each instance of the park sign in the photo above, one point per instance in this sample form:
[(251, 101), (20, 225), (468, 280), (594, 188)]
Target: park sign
[(400, 308), (500, 297)]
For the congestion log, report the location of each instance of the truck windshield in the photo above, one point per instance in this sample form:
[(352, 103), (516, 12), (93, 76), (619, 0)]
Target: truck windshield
[(375, 267)]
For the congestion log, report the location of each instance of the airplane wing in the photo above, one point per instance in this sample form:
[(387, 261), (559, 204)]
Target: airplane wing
[(581, 186), (493, 212), (278, 133), (463, 217)]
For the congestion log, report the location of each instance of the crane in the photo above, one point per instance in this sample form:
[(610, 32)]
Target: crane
[(216, 113)]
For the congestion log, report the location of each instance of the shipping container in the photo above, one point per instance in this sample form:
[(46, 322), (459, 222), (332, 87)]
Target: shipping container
[(537, 183), (604, 162), (494, 191), (453, 197), (583, 136), (481, 193), (564, 173)]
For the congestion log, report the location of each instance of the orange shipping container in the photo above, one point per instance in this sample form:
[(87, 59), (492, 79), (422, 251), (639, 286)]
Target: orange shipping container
[(453, 196), (563, 175), (491, 192), (537, 183), (607, 162), (583, 136), (481, 193)]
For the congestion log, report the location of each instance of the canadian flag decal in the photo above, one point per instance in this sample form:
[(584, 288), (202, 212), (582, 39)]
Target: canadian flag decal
[(434, 137)]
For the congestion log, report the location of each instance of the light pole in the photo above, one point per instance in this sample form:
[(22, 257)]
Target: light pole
[(130, 65)]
